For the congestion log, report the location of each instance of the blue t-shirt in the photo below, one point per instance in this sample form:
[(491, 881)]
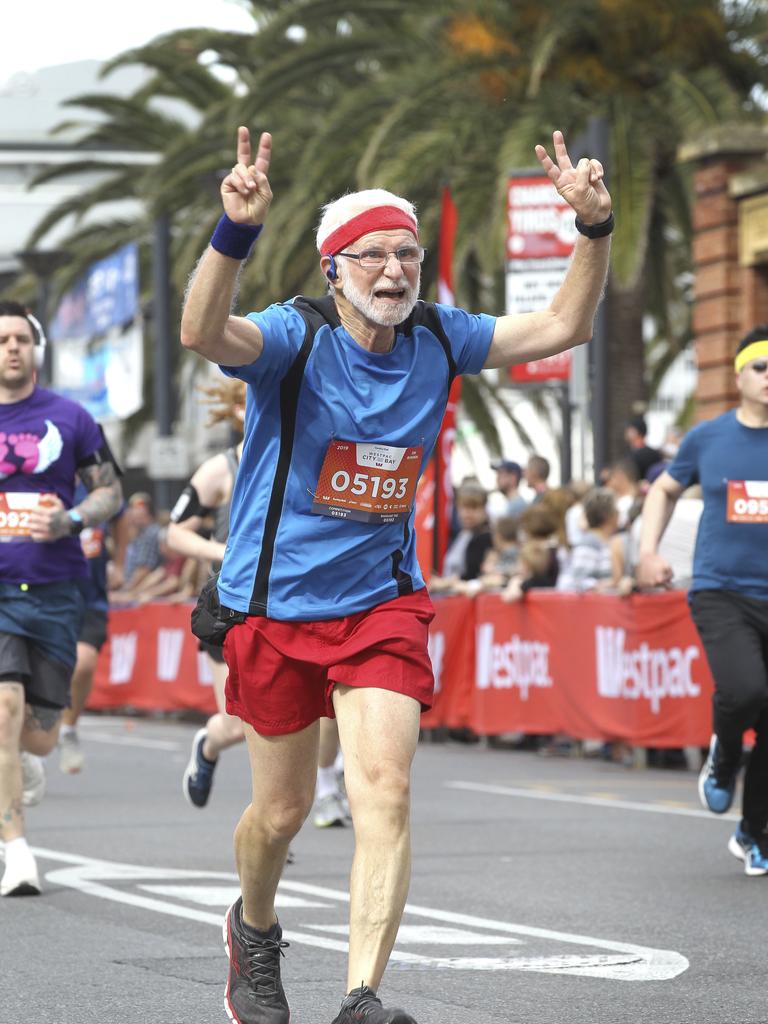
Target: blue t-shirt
[(282, 559), (728, 555), (43, 440)]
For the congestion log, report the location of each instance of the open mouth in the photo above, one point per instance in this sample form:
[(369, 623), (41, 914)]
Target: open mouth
[(390, 294)]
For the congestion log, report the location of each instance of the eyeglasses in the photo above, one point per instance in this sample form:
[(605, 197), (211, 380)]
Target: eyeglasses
[(759, 367), (377, 259)]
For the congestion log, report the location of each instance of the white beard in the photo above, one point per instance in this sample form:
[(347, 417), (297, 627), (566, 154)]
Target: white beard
[(379, 311)]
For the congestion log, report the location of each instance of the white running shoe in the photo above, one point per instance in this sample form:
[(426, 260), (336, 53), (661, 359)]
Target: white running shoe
[(330, 811), (32, 779), (20, 877), (71, 757)]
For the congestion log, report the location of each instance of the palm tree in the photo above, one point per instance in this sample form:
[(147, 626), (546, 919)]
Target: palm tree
[(384, 92)]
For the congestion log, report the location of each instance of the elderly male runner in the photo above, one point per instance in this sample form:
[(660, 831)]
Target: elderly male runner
[(728, 456), (46, 441), (346, 398)]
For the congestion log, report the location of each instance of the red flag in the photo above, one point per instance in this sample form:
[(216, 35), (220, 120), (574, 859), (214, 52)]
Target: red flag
[(432, 529), (448, 223)]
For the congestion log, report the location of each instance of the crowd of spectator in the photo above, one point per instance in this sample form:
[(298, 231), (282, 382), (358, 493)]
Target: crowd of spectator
[(147, 569), (579, 538)]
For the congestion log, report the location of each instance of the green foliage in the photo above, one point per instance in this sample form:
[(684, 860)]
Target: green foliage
[(407, 96)]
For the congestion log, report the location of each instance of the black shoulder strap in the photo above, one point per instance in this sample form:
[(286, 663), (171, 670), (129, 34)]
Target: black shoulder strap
[(426, 315), (315, 313)]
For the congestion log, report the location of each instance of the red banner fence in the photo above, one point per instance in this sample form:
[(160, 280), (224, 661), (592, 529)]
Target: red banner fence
[(591, 666)]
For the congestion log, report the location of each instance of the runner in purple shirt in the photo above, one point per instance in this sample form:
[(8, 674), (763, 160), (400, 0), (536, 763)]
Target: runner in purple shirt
[(45, 441)]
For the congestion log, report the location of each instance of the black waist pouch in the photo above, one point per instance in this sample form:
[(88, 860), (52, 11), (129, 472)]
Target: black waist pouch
[(211, 619)]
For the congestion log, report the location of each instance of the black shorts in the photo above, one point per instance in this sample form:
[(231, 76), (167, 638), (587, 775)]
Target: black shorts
[(94, 628), (46, 683), (216, 652), (38, 639)]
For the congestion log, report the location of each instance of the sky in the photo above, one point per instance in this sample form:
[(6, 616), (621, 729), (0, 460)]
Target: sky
[(58, 31)]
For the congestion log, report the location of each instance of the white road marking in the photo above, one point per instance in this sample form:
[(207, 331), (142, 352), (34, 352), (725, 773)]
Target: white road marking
[(222, 895), (591, 801), (635, 963)]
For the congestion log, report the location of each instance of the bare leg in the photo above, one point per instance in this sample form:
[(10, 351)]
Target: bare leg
[(223, 730), (82, 681), (11, 721), (379, 731), (283, 779)]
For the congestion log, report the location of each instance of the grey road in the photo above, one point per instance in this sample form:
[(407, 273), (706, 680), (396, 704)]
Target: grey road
[(545, 891)]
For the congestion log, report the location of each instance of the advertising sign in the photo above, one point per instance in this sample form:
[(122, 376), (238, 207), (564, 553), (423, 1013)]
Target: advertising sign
[(98, 350), (540, 239)]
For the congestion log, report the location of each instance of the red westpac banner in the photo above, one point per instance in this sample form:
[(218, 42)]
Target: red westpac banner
[(592, 666), (151, 662)]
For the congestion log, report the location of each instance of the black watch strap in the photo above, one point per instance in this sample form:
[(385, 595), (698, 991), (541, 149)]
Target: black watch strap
[(76, 520), (605, 227)]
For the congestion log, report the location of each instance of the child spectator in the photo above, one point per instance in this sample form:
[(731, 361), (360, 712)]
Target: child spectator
[(501, 561), (538, 568), (596, 562)]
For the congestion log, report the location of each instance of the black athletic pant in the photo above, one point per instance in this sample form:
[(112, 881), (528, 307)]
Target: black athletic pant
[(734, 631)]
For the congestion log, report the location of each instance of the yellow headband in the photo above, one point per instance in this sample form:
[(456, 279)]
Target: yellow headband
[(753, 351)]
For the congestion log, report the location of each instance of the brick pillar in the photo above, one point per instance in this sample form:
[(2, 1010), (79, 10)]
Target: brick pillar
[(717, 286), (728, 299)]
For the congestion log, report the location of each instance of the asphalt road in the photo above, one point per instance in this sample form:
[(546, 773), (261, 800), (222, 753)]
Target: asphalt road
[(545, 891)]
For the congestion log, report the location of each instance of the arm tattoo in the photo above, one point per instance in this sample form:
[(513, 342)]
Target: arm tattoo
[(105, 496)]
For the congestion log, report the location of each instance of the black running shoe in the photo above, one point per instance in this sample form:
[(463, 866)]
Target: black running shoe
[(254, 992), (198, 775), (363, 1006)]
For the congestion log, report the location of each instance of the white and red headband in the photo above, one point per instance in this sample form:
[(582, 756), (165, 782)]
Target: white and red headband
[(377, 218)]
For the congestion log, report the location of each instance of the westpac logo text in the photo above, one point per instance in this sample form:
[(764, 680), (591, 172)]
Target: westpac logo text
[(645, 673), (515, 663)]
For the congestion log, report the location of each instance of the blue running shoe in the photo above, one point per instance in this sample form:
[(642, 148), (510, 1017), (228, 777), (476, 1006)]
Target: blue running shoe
[(717, 783), (198, 775), (754, 852)]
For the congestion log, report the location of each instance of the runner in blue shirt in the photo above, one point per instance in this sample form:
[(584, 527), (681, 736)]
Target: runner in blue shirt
[(320, 586), (45, 442), (728, 457)]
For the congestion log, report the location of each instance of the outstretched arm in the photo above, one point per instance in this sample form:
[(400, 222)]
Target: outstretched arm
[(568, 320), (653, 570), (206, 324)]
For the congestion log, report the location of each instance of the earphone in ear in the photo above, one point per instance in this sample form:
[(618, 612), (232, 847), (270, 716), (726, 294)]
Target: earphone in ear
[(40, 341), (331, 271)]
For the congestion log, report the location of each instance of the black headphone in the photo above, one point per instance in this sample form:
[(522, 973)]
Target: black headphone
[(331, 271)]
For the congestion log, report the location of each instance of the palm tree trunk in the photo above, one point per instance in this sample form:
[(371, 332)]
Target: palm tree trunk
[(627, 386)]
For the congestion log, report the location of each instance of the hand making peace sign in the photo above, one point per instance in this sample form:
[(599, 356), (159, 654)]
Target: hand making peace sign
[(245, 191), (581, 186)]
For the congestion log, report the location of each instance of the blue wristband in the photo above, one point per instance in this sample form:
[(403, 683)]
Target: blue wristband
[(234, 240)]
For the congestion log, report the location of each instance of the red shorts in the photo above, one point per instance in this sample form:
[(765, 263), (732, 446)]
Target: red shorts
[(282, 674)]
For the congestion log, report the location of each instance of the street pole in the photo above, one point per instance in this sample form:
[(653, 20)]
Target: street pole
[(597, 147), (161, 316), (566, 443)]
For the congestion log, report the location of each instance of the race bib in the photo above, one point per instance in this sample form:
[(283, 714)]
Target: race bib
[(747, 501), (92, 541), (373, 483), (15, 507)]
